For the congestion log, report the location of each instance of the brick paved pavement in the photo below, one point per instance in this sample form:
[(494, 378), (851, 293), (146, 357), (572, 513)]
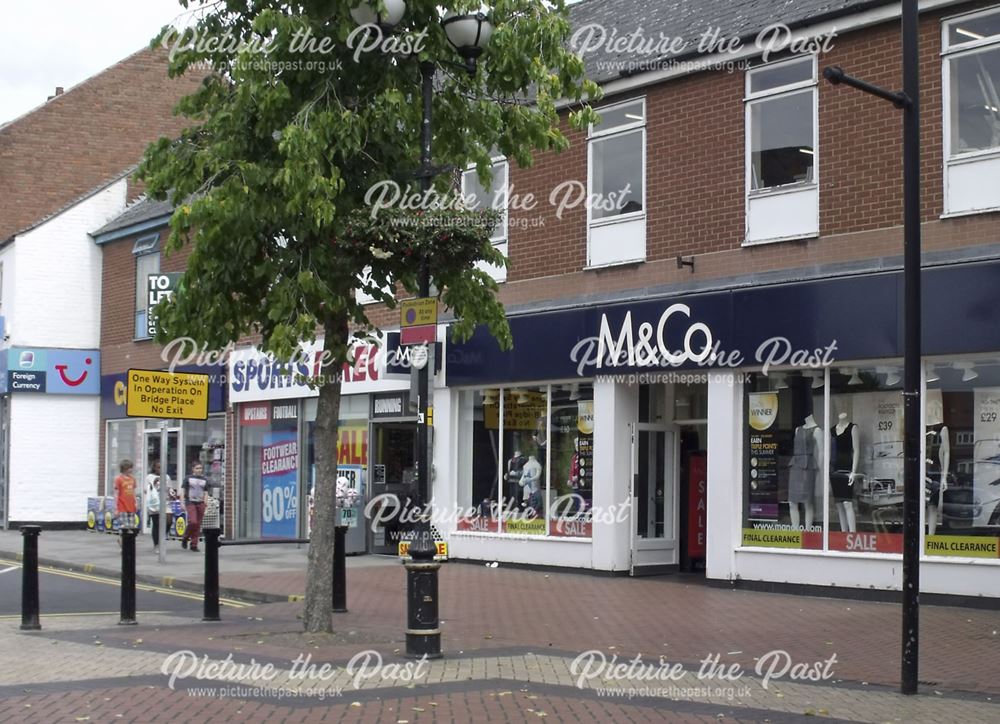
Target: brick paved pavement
[(511, 637)]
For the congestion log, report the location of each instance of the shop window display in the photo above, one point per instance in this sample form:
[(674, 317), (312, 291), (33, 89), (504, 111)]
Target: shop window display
[(479, 461), (784, 444), (571, 432), (526, 456), (865, 467), (962, 452), (269, 486)]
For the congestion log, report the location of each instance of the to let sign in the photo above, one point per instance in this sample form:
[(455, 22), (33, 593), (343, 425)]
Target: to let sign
[(418, 321), (158, 287), (168, 395)]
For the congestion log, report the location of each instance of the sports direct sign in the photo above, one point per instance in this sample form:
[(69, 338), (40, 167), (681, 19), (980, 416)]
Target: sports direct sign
[(254, 375)]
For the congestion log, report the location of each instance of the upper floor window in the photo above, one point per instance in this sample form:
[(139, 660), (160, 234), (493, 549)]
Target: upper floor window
[(971, 79), (494, 197), (617, 185), (780, 105), (366, 285), (973, 71), (781, 145), (147, 261)]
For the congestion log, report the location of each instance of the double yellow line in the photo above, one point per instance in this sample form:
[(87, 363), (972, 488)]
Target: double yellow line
[(231, 602)]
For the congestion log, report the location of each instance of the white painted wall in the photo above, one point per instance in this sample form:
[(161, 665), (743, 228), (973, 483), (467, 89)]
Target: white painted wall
[(725, 477), (52, 298), (615, 406), (530, 549), (58, 276), (8, 267), (53, 456), (855, 570)]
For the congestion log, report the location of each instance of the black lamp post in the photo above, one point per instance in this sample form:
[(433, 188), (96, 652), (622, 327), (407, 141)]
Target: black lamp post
[(909, 101), (469, 34)]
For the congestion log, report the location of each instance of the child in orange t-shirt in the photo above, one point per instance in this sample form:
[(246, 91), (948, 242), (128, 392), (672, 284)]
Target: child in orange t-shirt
[(125, 494)]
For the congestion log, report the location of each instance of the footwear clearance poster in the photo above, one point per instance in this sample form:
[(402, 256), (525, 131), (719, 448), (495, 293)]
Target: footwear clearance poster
[(279, 487)]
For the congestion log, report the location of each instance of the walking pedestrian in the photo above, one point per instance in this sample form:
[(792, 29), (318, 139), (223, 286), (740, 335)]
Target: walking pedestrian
[(125, 506), (153, 506), (193, 494)]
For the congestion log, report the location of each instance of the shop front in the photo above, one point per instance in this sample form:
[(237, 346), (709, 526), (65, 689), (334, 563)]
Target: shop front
[(49, 414), (752, 433), (276, 419), (188, 442)]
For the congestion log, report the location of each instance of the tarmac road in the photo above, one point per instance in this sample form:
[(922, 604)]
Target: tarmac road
[(66, 593)]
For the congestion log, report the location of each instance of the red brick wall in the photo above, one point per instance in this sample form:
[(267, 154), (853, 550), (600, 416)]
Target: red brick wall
[(85, 137), (695, 174)]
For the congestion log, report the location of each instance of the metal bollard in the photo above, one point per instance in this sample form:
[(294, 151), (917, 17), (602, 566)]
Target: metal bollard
[(128, 577), (423, 633), (29, 578), (340, 569), (211, 609)]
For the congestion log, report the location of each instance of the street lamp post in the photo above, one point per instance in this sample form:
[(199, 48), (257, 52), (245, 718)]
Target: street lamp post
[(909, 101), (469, 34)]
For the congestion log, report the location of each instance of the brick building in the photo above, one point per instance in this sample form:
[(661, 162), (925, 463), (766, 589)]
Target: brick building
[(760, 222), (63, 172), (738, 212)]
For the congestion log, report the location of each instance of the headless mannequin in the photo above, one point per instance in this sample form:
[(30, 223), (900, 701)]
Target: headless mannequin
[(531, 479), (812, 429), (845, 508), (944, 458)]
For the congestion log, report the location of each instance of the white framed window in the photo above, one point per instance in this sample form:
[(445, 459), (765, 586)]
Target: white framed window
[(147, 261), (495, 197), (971, 85), (616, 185), (782, 160), (365, 283)]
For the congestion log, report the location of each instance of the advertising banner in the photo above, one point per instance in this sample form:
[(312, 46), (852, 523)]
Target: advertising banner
[(697, 505), (763, 446), (279, 486)]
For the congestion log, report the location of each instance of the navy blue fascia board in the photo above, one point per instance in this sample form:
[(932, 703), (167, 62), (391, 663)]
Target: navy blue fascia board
[(148, 225), (860, 315)]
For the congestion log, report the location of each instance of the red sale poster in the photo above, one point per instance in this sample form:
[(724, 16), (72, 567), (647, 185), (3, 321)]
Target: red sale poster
[(697, 505)]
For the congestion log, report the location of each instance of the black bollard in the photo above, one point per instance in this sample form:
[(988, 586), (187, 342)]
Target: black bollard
[(423, 634), (29, 578), (211, 610), (340, 569), (128, 577)]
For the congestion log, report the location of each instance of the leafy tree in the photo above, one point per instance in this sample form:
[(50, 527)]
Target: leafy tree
[(269, 183)]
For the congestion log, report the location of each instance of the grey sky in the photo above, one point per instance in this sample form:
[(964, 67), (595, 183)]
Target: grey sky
[(49, 43)]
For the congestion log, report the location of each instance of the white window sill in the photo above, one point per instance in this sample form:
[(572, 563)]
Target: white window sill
[(620, 219), (763, 242), (973, 212), (895, 557), (973, 156), (782, 190), (515, 536), (613, 264)]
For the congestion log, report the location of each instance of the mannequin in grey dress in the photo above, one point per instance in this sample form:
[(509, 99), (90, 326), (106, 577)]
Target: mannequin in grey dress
[(805, 471)]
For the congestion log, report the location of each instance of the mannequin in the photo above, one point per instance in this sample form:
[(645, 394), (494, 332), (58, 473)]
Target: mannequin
[(845, 454), (804, 472), (575, 481), (515, 469), (938, 458), (531, 481), (936, 475)]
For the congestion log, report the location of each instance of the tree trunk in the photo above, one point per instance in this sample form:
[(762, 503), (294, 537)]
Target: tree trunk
[(319, 572)]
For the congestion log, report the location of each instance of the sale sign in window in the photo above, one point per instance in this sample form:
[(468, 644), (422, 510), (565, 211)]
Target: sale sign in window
[(279, 487)]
